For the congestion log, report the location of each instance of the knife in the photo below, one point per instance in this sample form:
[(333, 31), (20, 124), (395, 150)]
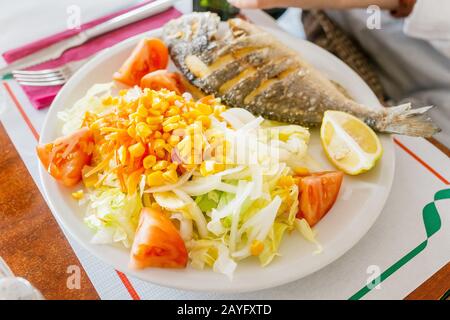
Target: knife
[(56, 50)]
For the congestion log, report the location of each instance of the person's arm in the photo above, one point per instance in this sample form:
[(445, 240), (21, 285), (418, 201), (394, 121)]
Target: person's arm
[(429, 21), (315, 4)]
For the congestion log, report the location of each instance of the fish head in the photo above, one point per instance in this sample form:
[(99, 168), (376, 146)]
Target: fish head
[(191, 35)]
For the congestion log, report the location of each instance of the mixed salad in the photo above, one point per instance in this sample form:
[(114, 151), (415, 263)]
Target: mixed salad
[(180, 180)]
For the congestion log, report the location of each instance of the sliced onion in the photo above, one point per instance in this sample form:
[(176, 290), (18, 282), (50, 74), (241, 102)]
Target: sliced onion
[(229, 171), (201, 186), (186, 230), (254, 124), (241, 114), (261, 223), (232, 120), (195, 212), (169, 187), (242, 174), (142, 185), (257, 178), (225, 187), (169, 200)]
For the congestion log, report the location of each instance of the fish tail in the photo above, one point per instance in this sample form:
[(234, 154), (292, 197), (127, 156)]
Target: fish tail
[(403, 119)]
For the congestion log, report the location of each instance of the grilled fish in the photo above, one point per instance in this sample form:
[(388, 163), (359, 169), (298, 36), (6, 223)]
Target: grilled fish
[(247, 67)]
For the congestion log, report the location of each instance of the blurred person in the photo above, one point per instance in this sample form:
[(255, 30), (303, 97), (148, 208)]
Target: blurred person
[(409, 52)]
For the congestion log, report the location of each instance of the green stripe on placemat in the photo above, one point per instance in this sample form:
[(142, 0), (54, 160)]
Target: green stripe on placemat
[(432, 223), (446, 295), (7, 76)]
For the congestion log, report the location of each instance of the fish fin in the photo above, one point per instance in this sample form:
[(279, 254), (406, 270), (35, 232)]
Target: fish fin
[(412, 122)]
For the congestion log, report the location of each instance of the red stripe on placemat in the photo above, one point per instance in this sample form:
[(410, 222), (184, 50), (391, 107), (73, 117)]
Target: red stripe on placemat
[(126, 282), (423, 163), (22, 112)]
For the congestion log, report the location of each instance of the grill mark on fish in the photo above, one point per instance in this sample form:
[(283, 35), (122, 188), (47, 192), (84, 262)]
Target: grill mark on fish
[(232, 83), (256, 41), (216, 79), (269, 81), (239, 93)]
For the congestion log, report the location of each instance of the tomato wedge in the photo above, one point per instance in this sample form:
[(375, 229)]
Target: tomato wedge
[(157, 243), (318, 192), (65, 158), (162, 79), (149, 55)]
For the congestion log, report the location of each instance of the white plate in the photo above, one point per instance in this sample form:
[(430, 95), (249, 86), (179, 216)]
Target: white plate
[(360, 201)]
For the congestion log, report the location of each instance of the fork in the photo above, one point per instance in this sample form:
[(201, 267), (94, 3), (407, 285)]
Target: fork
[(48, 77)]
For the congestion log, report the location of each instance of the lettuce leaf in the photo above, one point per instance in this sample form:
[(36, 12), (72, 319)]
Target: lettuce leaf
[(113, 216)]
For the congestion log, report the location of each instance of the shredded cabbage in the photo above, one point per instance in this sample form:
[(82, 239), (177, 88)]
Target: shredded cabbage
[(113, 216), (92, 101)]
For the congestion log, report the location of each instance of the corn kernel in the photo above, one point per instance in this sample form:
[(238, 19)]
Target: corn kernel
[(205, 120), (149, 161), (256, 248), (168, 148), (90, 181), (173, 119), (155, 119), (159, 144), (122, 152), (218, 109), (210, 166), (160, 165), (107, 101), (143, 130), (131, 131), (173, 110), (173, 140), (194, 113), (142, 111), (301, 171), (136, 150), (78, 194), (160, 153), (172, 166), (161, 105), (155, 179), (285, 181), (154, 127), (189, 166), (157, 135), (170, 127), (166, 135), (170, 176), (154, 112), (204, 109), (134, 117)]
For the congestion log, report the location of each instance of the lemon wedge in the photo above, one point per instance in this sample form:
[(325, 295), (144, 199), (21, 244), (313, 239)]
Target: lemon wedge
[(349, 143)]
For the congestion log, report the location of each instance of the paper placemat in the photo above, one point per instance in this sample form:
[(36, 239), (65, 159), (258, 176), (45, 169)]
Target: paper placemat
[(408, 243)]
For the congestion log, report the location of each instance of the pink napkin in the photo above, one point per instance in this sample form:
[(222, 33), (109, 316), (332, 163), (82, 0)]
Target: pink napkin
[(41, 97)]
